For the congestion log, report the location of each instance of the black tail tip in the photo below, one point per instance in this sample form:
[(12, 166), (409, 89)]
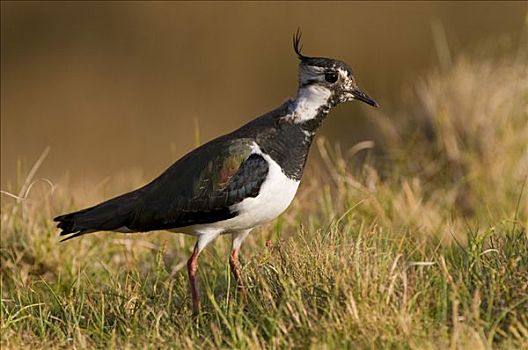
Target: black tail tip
[(66, 224)]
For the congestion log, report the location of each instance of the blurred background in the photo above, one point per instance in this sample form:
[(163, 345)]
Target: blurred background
[(112, 87)]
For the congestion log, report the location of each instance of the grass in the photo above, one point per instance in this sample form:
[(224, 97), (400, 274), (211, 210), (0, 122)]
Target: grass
[(423, 245)]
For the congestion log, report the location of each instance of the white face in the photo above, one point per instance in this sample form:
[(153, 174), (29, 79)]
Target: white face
[(324, 87), (337, 80), (317, 86)]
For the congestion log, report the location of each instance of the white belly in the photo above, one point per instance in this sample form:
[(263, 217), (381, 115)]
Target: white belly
[(275, 195)]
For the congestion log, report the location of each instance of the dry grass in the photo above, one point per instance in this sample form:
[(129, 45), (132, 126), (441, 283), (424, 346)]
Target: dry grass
[(425, 247)]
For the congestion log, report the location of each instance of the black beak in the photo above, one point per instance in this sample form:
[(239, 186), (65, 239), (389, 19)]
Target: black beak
[(362, 96)]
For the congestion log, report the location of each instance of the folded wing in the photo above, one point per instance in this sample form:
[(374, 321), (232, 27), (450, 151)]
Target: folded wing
[(199, 188)]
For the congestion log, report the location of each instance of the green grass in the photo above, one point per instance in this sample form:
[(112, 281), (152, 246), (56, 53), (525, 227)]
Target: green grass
[(422, 245)]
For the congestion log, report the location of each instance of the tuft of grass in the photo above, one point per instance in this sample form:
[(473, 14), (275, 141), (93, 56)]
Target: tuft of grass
[(424, 247)]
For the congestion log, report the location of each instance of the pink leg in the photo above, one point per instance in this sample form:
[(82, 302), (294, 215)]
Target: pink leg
[(235, 267), (192, 268), (238, 238)]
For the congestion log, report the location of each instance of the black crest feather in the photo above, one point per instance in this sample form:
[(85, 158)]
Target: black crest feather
[(297, 47)]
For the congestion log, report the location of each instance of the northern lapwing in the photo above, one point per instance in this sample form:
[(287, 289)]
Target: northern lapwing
[(235, 182)]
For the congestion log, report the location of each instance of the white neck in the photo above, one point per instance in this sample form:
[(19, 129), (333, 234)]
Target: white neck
[(309, 100)]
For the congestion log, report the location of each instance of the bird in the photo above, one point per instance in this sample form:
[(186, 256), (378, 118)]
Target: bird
[(233, 183)]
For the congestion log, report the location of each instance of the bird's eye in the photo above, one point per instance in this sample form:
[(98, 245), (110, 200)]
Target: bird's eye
[(331, 77)]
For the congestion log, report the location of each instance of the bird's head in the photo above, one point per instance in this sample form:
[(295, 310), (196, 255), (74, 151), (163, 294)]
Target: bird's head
[(327, 77)]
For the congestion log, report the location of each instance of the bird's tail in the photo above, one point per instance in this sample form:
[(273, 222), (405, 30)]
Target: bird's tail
[(112, 215)]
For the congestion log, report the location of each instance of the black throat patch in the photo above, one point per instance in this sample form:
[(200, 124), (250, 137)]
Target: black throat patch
[(288, 143)]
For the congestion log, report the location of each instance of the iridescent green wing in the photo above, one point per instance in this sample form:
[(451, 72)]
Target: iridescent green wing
[(201, 187)]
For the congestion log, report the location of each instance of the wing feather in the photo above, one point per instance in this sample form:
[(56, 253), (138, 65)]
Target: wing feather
[(204, 195)]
